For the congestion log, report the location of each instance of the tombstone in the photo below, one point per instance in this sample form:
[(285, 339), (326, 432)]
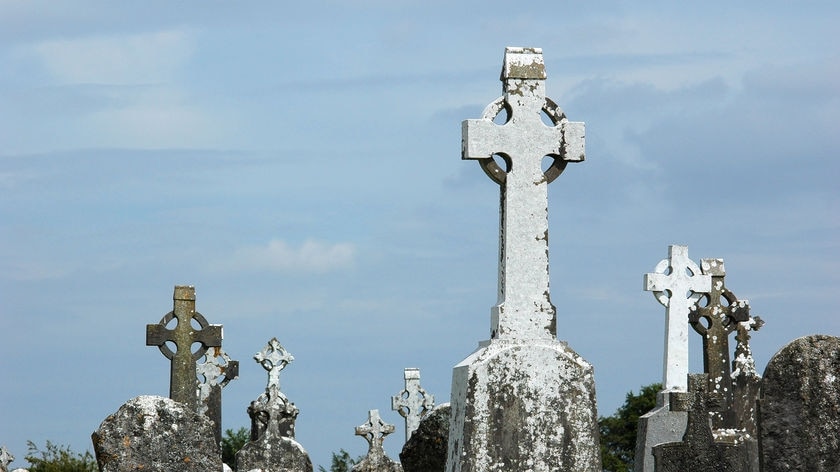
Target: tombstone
[(523, 400), (183, 380), (216, 372), (6, 458), (799, 426), (677, 283), (273, 447), (746, 383), (156, 434), (374, 432), (715, 320), (698, 451), (412, 402), (425, 450)]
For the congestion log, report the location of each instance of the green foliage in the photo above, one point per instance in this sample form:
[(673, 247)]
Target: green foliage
[(58, 459), (232, 442), (341, 462), (618, 432)]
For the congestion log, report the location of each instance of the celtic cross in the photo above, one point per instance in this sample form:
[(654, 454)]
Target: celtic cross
[(412, 402), (524, 309), (374, 432), (183, 381)]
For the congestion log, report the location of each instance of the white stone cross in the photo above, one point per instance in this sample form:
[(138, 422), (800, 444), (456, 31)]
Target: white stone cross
[(677, 283), (524, 310), (374, 431), (273, 358), (412, 402)]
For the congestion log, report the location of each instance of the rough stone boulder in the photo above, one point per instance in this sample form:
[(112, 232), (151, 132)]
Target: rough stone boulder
[(425, 450)]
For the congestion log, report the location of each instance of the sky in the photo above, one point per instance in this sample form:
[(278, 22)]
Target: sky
[(300, 165)]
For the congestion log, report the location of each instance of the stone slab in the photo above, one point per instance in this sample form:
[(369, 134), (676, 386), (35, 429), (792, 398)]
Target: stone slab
[(425, 450), (658, 426)]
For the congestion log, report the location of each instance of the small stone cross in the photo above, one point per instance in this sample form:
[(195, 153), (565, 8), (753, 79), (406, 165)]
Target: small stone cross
[(216, 371), (274, 358), (183, 380), (374, 432), (6, 458), (524, 309), (715, 322), (412, 402), (677, 283)]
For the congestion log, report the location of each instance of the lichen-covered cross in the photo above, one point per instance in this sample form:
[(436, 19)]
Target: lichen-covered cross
[(677, 283), (374, 432), (524, 309), (273, 358), (412, 402), (217, 370), (183, 380), (6, 458)]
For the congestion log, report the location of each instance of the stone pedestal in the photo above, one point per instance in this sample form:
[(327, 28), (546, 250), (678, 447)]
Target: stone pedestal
[(660, 425), (523, 406)]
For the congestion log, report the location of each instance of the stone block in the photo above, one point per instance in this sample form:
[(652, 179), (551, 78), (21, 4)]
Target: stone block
[(425, 450)]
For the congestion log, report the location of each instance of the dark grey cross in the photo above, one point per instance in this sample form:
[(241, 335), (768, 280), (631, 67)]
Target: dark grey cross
[(715, 321), (524, 309), (183, 380)]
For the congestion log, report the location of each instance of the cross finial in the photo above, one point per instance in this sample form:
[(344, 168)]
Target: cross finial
[(677, 283), (183, 380), (374, 431), (412, 402), (524, 309), (274, 358)]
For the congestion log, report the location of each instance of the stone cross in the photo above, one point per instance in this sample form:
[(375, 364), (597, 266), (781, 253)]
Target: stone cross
[(374, 431), (216, 372), (274, 358), (412, 402), (272, 411), (524, 310), (715, 322), (677, 283), (183, 380), (6, 458)]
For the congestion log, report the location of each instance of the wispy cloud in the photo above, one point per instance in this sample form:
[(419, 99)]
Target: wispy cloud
[(310, 257)]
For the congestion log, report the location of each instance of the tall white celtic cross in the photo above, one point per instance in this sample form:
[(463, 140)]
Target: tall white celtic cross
[(524, 309), (677, 283)]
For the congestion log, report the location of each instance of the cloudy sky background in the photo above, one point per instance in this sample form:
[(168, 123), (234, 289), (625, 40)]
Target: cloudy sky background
[(300, 165)]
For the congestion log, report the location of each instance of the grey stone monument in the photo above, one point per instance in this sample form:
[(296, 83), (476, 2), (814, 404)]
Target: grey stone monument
[(799, 427), (698, 451), (183, 379), (715, 320), (412, 402), (374, 432), (523, 400), (6, 458), (215, 372), (156, 434), (273, 447), (677, 283), (746, 382), (425, 450)]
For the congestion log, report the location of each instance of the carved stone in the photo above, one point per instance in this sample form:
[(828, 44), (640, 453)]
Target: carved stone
[(412, 402), (374, 432)]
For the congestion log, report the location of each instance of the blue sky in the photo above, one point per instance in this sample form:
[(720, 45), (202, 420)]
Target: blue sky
[(300, 165)]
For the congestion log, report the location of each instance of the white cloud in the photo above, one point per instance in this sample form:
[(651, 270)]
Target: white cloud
[(278, 256)]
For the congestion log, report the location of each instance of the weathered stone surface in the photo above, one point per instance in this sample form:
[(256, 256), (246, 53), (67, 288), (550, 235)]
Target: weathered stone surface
[(215, 373), (374, 432), (524, 400), (156, 434), (272, 447), (698, 451), (658, 426), (6, 458), (412, 402), (425, 450), (799, 427), (745, 380)]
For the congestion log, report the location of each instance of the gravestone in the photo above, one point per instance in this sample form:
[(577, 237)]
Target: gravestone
[(523, 400), (156, 434), (216, 372), (273, 447), (183, 380), (698, 451), (715, 320), (677, 283), (6, 458), (425, 450), (374, 432), (745, 379), (412, 402), (799, 426)]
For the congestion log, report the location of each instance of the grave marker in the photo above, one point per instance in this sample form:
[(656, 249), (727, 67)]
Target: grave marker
[(216, 372), (6, 458), (412, 402), (374, 432)]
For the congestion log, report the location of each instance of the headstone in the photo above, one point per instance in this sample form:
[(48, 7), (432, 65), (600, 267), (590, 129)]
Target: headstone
[(156, 434), (698, 451), (183, 381), (799, 426), (412, 402), (273, 447), (746, 382), (677, 283), (425, 451), (523, 400), (216, 372), (374, 432), (715, 320), (6, 458)]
